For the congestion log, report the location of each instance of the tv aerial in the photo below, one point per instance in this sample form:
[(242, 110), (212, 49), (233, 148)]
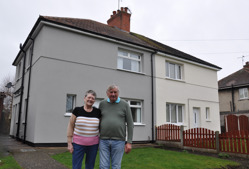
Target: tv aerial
[(119, 3), (242, 58)]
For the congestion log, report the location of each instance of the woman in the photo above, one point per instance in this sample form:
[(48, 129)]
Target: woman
[(83, 132)]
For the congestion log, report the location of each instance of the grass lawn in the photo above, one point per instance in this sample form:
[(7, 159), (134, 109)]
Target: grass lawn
[(147, 158), (7, 162)]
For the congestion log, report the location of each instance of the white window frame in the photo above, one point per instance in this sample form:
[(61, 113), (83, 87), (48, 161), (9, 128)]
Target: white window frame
[(208, 114), (243, 93), (169, 116), (175, 73), (120, 60), (68, 113), (140, 106)]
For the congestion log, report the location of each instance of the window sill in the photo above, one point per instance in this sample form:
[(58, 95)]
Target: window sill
[(177, 124), (208, 121), (178, 80), (243, 99), (139, 124), (67, 114), (131, 71)]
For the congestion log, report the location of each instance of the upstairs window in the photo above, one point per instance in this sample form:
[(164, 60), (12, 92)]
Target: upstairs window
[(173, 71), (243, 93), (129, 61), (174, 113)]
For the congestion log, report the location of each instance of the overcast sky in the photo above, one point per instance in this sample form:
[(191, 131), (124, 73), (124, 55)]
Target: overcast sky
[(216, 31)]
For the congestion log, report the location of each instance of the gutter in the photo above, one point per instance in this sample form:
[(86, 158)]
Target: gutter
[(27, 103), (21, 95), (235, 87)]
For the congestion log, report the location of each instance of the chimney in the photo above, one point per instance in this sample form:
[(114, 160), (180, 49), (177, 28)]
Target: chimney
[(246, 65), (120, 19)]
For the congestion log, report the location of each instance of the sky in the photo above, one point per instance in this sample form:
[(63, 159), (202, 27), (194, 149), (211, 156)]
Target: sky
[(216, 31)]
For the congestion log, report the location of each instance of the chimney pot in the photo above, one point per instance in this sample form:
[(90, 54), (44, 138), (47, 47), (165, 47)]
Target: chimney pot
[(122, 9), (246, 65), (114, 12), (126, 9)]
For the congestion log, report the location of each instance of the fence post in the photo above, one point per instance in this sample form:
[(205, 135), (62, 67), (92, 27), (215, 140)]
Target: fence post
[(181, 135), (217, 141)]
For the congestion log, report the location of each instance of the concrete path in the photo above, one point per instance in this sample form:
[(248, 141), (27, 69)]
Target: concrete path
[(31, 157)]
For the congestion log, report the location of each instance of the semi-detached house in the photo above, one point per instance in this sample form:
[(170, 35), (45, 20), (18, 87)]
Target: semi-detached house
[(63, 57)]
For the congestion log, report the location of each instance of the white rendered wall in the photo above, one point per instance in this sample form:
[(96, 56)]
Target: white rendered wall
[(198, 89)]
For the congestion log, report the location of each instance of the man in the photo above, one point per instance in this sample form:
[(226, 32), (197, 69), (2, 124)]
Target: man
[(116, 113)]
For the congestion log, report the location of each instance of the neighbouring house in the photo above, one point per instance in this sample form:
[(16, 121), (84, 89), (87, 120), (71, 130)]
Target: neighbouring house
[(234, 100), (2, 96), (63, 57)]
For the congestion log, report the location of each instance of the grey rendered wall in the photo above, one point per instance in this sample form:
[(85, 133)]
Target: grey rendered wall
[(70, 63), (225, 98)]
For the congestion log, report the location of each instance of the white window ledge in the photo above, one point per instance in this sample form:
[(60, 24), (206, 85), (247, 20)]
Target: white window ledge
[(139, 124), (131, 71), (178, 80), (67, 114), (243, 99)]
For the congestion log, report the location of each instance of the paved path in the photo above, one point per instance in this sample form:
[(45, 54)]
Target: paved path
[(31, 157)]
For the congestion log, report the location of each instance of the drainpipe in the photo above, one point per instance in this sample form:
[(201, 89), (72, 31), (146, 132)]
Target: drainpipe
[(233, 107), (27, 103), (21, 95), (152, 93)]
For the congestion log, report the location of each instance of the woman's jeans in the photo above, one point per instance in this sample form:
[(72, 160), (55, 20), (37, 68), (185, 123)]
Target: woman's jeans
[(78, 155), (111, 150)]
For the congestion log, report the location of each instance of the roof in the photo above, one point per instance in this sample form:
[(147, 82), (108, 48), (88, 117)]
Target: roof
[(236, 79), (105, 30)]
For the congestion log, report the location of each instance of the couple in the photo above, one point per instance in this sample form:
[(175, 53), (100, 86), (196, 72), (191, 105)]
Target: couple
[(111, 118)]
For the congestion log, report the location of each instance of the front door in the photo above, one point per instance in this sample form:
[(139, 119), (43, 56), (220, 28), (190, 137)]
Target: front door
[(196, 117)]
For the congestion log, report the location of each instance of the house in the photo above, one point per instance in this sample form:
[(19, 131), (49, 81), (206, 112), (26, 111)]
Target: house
[(234, 100), (2, 96), (2, 116), (63, 57)]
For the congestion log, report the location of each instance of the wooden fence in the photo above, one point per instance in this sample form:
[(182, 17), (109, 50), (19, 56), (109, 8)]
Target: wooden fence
[(231, 142), (234, 142), (236, 123), (199, 138), (168, 132)]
